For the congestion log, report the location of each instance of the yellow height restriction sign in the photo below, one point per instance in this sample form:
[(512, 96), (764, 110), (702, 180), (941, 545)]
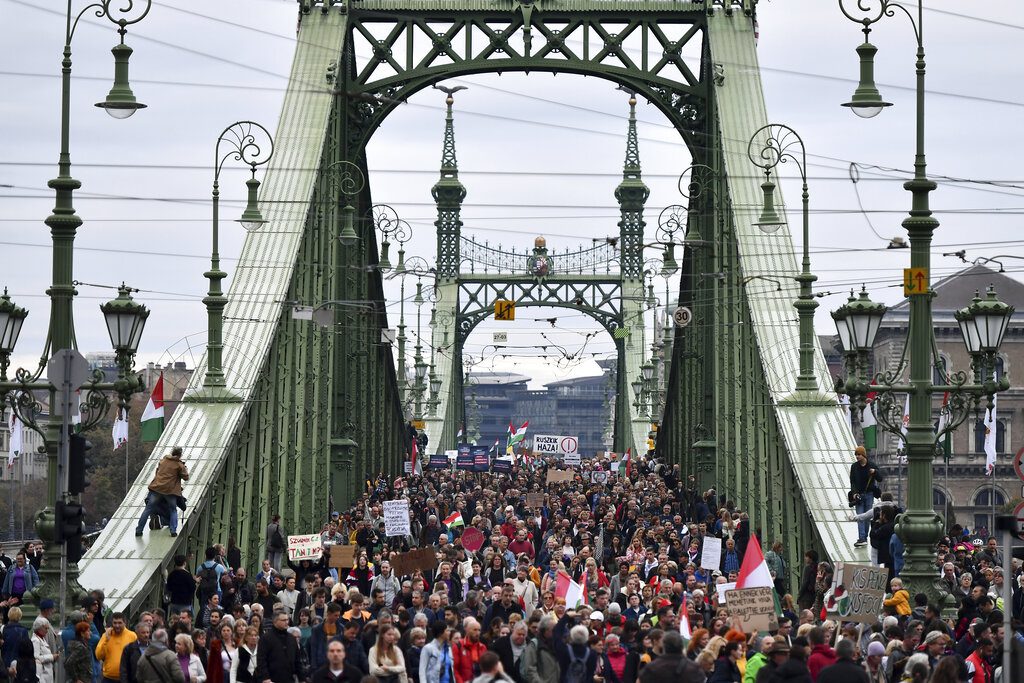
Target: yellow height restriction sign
[(504, 309), (915, 281), (419, 424)]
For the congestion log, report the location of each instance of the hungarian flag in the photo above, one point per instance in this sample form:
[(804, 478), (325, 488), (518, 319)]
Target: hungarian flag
[(14, 447), (944, 415), (684, 620), (869, 424), (754, 570), (153, 415), (119, 433), (515, 436), (453, 520), (417, 468), (990, 439), (568, 590)]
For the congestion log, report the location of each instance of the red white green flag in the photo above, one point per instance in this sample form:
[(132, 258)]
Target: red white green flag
[(153, 415)]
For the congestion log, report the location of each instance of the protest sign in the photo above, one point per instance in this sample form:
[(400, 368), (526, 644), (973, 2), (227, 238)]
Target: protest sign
[(556, 476), (857, 592), (753, 607), (343, 556), (422, 558), (535, 500), (502, 465), (464, 459), (722, 589), (571, 460), (407, 467), (396, 517), (472, 539), (481, 458), (305, 547), (711, 554), (439, 461), (546, 444), (599, 477)]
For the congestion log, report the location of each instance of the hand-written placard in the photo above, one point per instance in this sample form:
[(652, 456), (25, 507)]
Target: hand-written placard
[(754, 608), (711, 553), (424, 559), (535, 500), (857, 592), (396, 517), (305, 547), (343, 556), (557, 476), (722, 589)]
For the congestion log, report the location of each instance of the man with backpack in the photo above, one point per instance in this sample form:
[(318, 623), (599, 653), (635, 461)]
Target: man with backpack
[(208, 576), (671, 666), (539, 663), (276, 544), (578, 660)]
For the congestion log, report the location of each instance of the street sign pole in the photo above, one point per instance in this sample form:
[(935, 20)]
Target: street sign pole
[(67, 370)]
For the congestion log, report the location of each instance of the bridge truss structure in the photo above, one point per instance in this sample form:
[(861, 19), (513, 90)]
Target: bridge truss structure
[(310, 412)]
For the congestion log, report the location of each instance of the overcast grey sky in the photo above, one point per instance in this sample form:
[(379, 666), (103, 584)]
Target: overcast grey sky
[(200, 66)]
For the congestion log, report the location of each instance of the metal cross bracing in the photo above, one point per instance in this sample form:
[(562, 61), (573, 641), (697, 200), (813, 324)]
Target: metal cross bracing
[(315, 410)]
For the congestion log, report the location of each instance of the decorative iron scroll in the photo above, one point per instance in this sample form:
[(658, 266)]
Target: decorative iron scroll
[(600, 259)]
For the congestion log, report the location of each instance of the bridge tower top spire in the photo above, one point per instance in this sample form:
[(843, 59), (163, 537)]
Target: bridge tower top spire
[(632, 194), (448, 193)]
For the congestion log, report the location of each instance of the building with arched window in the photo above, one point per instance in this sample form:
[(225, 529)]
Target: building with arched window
[(960, 485)]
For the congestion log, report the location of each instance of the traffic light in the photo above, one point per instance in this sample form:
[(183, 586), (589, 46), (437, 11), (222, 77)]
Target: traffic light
[(78, 464), (70, 522)]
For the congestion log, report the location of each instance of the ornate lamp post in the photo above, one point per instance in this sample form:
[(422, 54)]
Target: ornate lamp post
[(56, 576), (919, 527), (250, 143), (770, 146)]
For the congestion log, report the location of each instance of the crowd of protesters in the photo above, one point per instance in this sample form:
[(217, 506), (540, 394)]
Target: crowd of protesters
[(649, 612)]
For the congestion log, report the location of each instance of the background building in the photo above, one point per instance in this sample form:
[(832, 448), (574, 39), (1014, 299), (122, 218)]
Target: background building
[(579, 407), (961, 487)]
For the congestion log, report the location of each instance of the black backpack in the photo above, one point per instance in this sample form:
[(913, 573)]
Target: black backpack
[(208, 582), (577, 672)]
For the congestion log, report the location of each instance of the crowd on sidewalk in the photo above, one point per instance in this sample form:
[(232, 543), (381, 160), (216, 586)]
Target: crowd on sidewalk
[(598, 583)]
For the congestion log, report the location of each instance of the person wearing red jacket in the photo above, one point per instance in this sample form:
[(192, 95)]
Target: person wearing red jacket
[(466, 655), (821, 654), (978, 666)]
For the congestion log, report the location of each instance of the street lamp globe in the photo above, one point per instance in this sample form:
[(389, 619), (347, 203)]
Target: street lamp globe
[(863, 317), (121, 102), (867, 102), (983, 323), (435, 384), (840, 316), (251, 218), (647, 370), (125, 318), (769, 221), (11, 319), (669, 265), (637, 387)]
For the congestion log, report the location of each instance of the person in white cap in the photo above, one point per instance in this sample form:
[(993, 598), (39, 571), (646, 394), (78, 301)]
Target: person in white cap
[(597, 624)]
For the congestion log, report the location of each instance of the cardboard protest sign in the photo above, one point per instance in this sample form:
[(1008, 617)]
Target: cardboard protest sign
[(535, 500), (753, 607), (556, 476), (396, 517), (857, 592), (711, 553), (343, 556), (424, 559), (305, 547)]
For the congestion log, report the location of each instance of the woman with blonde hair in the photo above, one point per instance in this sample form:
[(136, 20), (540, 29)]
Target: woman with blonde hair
[(386, 661), (191, 667), (243, 666), (714, 647)]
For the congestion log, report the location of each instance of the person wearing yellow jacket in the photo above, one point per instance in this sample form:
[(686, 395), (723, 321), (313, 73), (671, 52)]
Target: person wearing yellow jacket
[(112, 645), (900, 598)]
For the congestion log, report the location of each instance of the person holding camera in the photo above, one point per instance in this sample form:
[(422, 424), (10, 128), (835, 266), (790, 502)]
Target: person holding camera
[(864, 480)]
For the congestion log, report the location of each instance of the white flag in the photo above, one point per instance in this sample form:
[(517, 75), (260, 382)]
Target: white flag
[(119, 434), (14, 449), (906, 424), (990, 439)]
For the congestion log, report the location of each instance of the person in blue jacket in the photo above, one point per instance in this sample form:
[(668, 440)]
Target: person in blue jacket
[(14, 633)]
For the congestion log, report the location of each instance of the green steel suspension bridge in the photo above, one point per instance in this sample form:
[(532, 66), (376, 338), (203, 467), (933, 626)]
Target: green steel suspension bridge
[(304, 415)]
